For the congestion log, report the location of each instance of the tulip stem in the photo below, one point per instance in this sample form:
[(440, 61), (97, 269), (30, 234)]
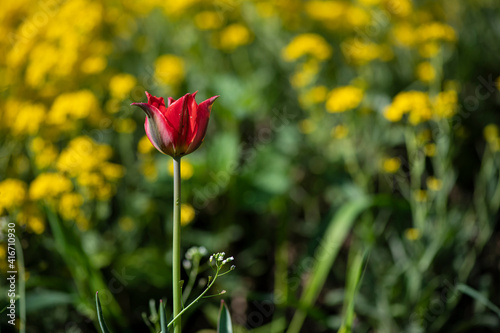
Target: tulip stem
[(176, 245)]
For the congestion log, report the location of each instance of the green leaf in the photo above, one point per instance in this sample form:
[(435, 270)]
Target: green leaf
[(163, 318), (353, 279), (224, 325), (104, 328), (478, 297), (325, 255)]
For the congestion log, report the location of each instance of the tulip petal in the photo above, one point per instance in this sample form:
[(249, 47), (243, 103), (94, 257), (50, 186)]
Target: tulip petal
[(201, 118), (170, 100), (157, 102), (157, 129)]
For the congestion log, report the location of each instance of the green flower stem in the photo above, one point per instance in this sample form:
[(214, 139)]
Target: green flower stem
[(176, 247)]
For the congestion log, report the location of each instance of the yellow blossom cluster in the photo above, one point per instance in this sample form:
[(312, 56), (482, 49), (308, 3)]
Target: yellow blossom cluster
[(12, 194), (342, 99), (338, 14), (69, 107), (88, 162), (420, 107)]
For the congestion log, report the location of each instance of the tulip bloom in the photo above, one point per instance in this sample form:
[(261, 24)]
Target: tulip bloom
[(177, 129)]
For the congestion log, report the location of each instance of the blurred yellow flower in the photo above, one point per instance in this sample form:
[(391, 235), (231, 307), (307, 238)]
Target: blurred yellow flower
[(208, 20), (69, 205), (436, 31), (344, 98), (169, 69), (144, 146), (325, 10), (234, 36), (35, 224), (125, 125), (425, 72), (12, 194), (430, 149), (49, 185), (340, 132), (490, 133), (72, 106), (305, 74), (307, 44), (391, 164), (360, 52), (434, 184), (412, 234), (27, 118), (265, 9), (187, 169), (307, 126), (404, 34), (150, 171), (401, 8), (94, 65), (416, 103), (120, 85), (314, 95), (429, 50), (445, 104), (420, 195), (112, 171), (187, 214)]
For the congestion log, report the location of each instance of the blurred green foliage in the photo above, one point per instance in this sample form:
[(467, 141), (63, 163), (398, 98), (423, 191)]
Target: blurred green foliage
[(351, 165)]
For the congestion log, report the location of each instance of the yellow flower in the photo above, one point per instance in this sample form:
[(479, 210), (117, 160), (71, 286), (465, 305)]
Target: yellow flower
[(112, 171), (340, 132), (430, 149), (401, 8), (169, 69), (445, 104), (144, 146), (94, 65), (305, 74), (434, 184), (69, 205), (150, 171), (120, 85), (208, 20), (12, 194), (187, 169), (436, 31), (49, 185), (420, 195), (326, 11), (404, 34), (391, 165), (187, 214), (36, 224), (416, 103), (314, 95), (344, 98), (360, 52), (412, 234), (234, 36), (429, 50), (307, 44), (425, 72), (71, 106), (125, 125), (307, 126), (490, 133), (28, 118)]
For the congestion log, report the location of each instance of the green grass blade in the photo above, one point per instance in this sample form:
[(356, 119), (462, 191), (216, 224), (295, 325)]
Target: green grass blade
[(353, 279), (100, 318), (325, 255), (478, 297), (163, 318), (224, 325)]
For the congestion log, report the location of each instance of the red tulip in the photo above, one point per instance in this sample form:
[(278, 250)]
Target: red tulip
[(177, 129)]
